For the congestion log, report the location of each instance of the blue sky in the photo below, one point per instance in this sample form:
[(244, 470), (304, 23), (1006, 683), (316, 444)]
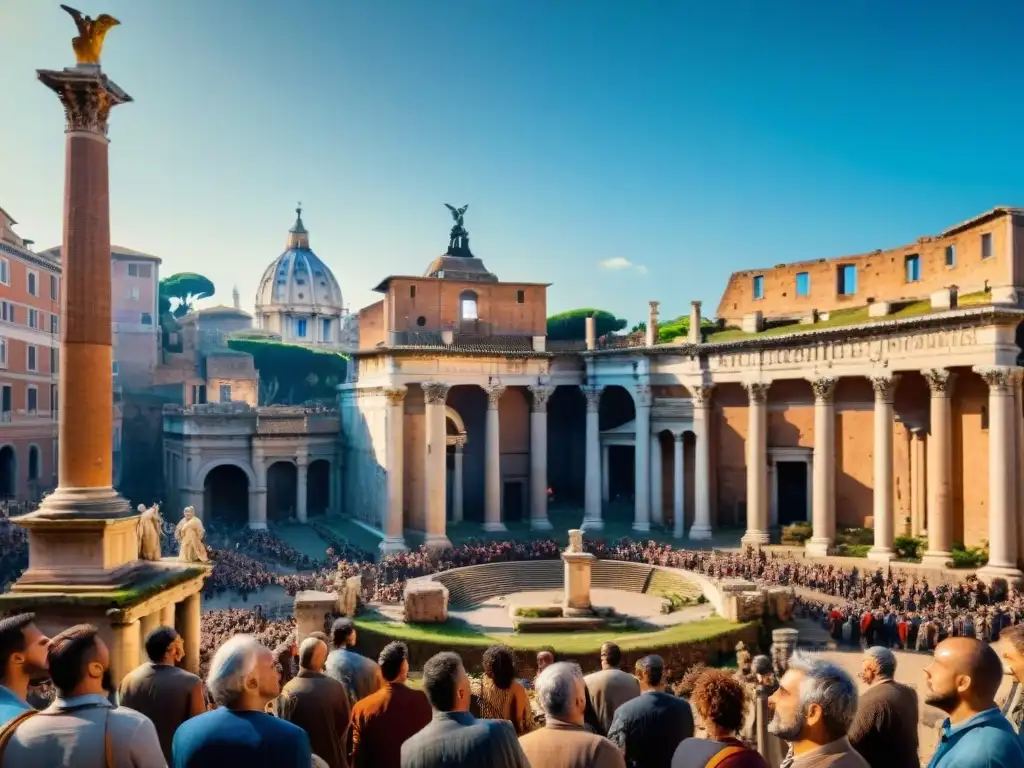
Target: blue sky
[(689, 139)]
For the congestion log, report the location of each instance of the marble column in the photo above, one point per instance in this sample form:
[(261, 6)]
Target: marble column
[(492, 462), (657, 503), (457, 491), (147, 624), (301, 483), (167, 616), (258, 493), (919, 467), (823, 488), (1002, 475), (757, 465), (539, 459), (882, 479), (940, 469), (124, 650), (592, 520), (677, 485), (642, 474), (435, 464), (605, 474), (394, 512), (701, 528), (186, 621)]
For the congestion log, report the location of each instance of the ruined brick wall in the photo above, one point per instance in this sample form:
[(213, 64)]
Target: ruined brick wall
[(371, 326), (436, 302)]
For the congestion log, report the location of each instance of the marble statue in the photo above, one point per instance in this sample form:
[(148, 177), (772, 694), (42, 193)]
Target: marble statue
[(150, 530), (91, 32), (190, 532), (575, 540)]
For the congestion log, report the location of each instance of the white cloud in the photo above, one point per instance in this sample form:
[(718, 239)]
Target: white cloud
[(618, 263)]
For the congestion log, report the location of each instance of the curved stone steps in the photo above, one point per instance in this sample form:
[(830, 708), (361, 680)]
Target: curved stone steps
[(665, 583)]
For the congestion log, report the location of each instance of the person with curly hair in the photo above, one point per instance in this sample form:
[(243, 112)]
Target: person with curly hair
[(721, 703), (501, 696)]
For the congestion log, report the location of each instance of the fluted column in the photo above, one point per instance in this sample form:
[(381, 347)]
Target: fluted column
[(457, 491), (606, 491), (757, 464), (677, 485), (394, 452), (940, 468), (301, 481), (885, 387), (701, 528), (642, 449), (657, 503), (258, 493), (592, 520), (823, 489), (539, 459), (435, 460), (1002, 474), (492, 462)]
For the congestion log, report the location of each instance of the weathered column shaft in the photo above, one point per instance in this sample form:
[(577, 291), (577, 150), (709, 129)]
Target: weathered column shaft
[(301, 483), (167, 616), (457, 491), (492, 461), (605, 474), (394, 522), (701, 528), (823, 489), (940, 469), (186, 621), (435, 460), (592, 502), (657, 503), (124, 651), (677, 485), (884, 386), (539, 459), (757, 465), (920, 480), (642, 443)]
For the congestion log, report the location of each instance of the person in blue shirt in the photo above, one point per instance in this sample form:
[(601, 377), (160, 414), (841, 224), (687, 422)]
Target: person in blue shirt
[(242, 681), (22, 661), (962, 681)]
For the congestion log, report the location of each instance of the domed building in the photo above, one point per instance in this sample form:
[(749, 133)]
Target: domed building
[(299, 298)]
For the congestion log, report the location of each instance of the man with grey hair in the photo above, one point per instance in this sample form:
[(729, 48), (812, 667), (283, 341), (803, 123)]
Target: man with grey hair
[(242, 680), (814, 708), (884, 730), (564, 742), (318, 704)]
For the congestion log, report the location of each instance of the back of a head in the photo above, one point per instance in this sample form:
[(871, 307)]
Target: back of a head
[(231, 666), (341, 630), (158, 643), (984, 668), (69, 653), (651, 669), (309, 652), (441, 674), (556, 689), (831, 688), (12, 637), (611, 654), (322, 636), (884, 659), (391, 659), (500, 665), (721, 699)]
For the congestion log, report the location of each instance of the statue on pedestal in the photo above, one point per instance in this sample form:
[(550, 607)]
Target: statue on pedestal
[(150, 531), (575, 541), (89, 43), (458, 240), (190, 532)]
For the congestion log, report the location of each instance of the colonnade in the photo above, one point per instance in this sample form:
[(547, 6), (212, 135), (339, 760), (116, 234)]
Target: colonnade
[(128, 647)]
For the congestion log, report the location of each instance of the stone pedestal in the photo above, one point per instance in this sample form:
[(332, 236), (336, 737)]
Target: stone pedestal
[(311, 611), (577, 583), (426, 602), (784, 643)]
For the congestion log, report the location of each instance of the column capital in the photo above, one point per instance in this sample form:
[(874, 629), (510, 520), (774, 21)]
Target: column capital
[(87, 96), (460, 443), (643, 396), (1001, 379), (940, 381), (395, 395), (885, 385), (494, 393), (435, 392), (757, 391), (593, 395), (824, 388), (541, 394), (701, 395)]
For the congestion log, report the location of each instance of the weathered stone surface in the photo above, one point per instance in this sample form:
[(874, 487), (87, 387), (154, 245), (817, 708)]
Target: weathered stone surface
[(426, 602), (350, 592), (311, 611), (780, 603), (744, 606)]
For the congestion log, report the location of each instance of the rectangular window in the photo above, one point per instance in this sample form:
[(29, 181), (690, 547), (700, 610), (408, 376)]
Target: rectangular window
[(412, 291), (912, 264), (986, 245), (7, 312), (54, 357), (198, 394), (32, 362), (33, 318), (950, 255), (520, 297), (469, 309), (53, 288), (846, 279), (3, 352), (32, 400), (53, 401), (300, 328), (7, 404), (326, 335), (225, 393), (146, 318), (33, 282), (803, 284), (759, 287), (54, 324), (5, 272)]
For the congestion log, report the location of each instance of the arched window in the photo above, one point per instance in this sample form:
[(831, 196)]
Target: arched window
[(467, 306)]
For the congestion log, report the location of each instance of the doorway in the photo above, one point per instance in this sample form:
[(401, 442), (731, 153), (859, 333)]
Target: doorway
[(792, 490), (513, 495)]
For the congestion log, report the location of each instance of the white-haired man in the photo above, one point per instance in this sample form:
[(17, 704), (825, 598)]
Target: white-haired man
[(814, 709), (242, 681), (564, 742), (884, 730)]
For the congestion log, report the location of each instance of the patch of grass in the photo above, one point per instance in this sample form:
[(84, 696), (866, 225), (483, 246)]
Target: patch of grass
[(538, 611), (853, 550)]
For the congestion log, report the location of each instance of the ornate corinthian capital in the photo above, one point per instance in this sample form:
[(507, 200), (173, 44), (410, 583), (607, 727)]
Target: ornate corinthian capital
[(435, 392), (643, 397), (494, 393), (940, 381), (540, 397), (757, 391), (395, 395), (998, 377), (593, 395), (87, 98), (824, 388), (885, 386), (702, 395)]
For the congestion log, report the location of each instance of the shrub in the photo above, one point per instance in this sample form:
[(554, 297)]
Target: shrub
[(909, 547), (539, 612), (797, 534), (291, 374), (572, 325), (853, 550), (969, 557), (854, 536)]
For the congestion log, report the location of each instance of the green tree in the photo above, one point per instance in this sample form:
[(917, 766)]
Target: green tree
[(292, 375), (572, 325), (184, 288), (681, 327)]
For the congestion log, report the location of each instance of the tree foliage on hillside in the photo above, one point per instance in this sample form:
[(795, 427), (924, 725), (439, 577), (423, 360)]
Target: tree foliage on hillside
[(680, 327), (572, 325), (292, 375), (181, 290)]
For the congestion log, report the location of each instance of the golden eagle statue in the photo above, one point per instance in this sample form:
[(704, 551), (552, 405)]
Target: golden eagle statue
[(89, 43)]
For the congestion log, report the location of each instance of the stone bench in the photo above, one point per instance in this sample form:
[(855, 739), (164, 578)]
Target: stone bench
[(426, 602)]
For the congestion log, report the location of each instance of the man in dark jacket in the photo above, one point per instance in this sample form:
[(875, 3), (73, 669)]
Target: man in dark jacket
[(649, 728), (884, 730), (454, 738)]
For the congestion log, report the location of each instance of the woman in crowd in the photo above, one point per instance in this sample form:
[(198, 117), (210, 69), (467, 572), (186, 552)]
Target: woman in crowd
[(502, 697), (720, 701)]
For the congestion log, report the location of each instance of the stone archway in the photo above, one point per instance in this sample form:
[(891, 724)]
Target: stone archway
[(226, 495), (318, 487), (8, 473), (282, 486)]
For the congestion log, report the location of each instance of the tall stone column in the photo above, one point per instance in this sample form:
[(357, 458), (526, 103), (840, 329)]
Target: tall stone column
[(940, 469), (394, 513), (1018, 422), (539, 459), (167, 616), (492, 462), (258, 494), (757, 465), (919, 467), (606, 491), (657, 503), (885, 388), (677, 501), (1002, 475), (701, 528), (458, 493), (435, 464), (823, 509), (642, 443), (301, 483), (592, 520), (125, 648), (186, 621)]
